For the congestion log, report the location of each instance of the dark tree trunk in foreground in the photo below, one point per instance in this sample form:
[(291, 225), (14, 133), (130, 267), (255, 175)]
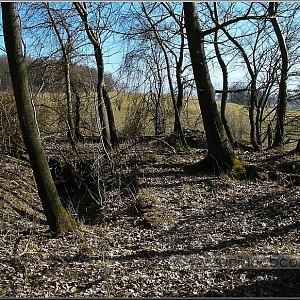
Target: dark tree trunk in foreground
[(282, 98), (57, 217), (220, 153)]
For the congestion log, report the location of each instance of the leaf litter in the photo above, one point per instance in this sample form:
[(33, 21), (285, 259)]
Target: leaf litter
[(160, 232)]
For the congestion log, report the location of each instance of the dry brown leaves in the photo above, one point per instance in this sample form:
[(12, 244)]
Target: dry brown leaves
[(154, 235)]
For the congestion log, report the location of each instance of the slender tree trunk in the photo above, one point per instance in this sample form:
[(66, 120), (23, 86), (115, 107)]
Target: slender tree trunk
[(57, 217), (225, 81), (111, 120), (174, 102), (71, 122), (258, 124), (252, 109), (100, 97), (220, 152), (253, 92), (101, 112), (156, 95), (103, 97), (78, 134), (66, 67), (179, 102), (179, 63), (282, 98)]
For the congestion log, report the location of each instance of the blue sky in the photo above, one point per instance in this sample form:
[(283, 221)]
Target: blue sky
[(113, 55), (114, 52), (1, 36)]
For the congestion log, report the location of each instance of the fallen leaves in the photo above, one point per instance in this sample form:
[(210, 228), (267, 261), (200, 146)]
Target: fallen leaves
[(195, 220)]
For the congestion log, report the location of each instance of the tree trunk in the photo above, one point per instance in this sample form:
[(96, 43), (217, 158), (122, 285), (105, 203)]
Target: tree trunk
[(179, 102), (179, 64), (282, 98), (220, 152), (111, 120), (252, 109), (101, 112), (175, 103), (225, 81), (253, 93), (71, 123), (78, 134), (103, 97), (66, 50), (57, 217)]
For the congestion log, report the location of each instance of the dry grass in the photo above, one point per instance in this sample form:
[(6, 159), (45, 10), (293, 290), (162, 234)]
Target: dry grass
[(132, 117), (126, 112)]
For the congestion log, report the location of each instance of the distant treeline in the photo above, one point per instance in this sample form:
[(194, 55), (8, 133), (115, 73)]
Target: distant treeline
[(48, 75)]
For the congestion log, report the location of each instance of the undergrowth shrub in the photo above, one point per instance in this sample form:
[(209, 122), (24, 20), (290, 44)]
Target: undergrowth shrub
[(136, 119), (10, 131), (240, 129)]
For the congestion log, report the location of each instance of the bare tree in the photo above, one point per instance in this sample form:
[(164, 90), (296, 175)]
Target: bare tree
[(282, 97), (56, 44), (220, 153), (145, 67), (162, 44), (57, 217), (255, 62), (103, 97), (215, 17), (66, 48)]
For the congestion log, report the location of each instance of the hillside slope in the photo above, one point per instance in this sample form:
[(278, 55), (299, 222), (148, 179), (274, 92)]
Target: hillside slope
[(159, 235)]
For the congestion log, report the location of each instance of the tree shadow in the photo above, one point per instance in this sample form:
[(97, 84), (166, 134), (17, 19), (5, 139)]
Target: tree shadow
[(26, 214), (246, 241), (278, 283)]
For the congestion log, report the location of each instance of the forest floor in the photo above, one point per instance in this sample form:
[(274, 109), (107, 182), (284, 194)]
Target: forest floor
[(159, 231)]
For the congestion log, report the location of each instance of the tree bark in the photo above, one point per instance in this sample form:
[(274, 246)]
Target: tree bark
[(225, 81), (78, 134), (179, 65), (111, 120), (220, 153), (282, 98), (180, 87), (57, 217)]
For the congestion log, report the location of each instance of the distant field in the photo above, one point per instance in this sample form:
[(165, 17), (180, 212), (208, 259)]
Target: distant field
[(133, 115)]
